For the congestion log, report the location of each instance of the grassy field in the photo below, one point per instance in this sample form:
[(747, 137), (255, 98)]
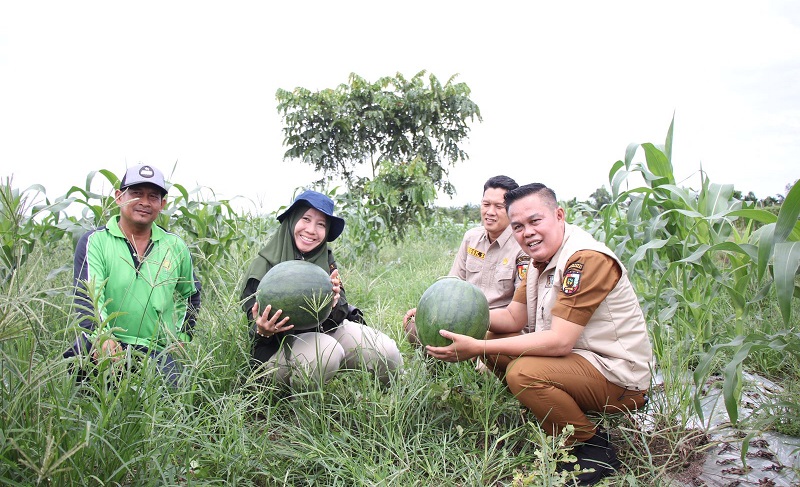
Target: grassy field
[(716, 281), (437, 424), (434, 424)]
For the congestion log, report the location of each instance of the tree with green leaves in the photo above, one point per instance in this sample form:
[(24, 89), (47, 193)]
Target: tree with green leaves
[(600, 198), (409, 132)]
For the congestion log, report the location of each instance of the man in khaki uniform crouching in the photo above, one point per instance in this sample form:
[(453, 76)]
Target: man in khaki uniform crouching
[(589, 351), (489, 256)]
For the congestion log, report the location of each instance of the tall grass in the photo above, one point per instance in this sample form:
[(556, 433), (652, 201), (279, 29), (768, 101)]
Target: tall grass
[(713, 276), (222, 425)]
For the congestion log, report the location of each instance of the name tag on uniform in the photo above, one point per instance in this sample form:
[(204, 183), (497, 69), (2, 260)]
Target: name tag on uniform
[(476, 253), (549, 281)]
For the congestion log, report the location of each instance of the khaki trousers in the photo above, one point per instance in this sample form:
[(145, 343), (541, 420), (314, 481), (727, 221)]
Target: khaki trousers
[(561, 390)]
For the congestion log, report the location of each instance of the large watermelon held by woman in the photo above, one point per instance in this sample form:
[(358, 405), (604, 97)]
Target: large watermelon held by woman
[(301, 289), (451, 304)]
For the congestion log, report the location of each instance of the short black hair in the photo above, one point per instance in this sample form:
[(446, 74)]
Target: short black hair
[(503, 182), (547, 194)]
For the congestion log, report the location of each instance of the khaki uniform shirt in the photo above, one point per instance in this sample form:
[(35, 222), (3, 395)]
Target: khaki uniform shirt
[(594, 287), (496, 268), (615, 338)]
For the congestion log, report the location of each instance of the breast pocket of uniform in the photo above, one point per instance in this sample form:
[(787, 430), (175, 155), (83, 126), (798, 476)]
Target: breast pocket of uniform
[(474, 265), (505, 277)]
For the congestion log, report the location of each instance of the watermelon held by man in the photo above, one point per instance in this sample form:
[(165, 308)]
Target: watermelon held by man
[(301, 289), (454, 305)]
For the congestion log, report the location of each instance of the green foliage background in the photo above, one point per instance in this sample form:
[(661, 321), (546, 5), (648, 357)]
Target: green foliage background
[(407, 131)]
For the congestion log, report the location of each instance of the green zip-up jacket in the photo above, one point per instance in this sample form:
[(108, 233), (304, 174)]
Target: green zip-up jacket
[(152, 302)]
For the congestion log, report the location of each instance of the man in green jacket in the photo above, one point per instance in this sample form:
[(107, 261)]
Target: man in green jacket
[(140, 276)]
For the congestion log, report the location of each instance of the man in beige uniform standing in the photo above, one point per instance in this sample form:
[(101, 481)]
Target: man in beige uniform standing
[(489, 256), (590, 350)]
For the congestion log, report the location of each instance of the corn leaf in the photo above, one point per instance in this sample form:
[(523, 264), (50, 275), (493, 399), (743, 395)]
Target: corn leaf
[(653, 244), (668, 141), (732, 381), (787, 223), (787, 262), (718, 198), (616, 176), (630, 151), (658, 163)]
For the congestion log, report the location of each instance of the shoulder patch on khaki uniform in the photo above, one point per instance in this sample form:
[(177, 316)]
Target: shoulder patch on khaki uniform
[(572, 279), (522, 266)]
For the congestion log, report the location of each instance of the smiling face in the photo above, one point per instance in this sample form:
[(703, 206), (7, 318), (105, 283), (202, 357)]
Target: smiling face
[(140, 205), (538, 226), (310, 231), (493, 212)]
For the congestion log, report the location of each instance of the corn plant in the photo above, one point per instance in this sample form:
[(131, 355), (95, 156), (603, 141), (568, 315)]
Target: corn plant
[(669, 238), (210, 227), (778, 250), (24, 222), (94, 208), (689, 255)]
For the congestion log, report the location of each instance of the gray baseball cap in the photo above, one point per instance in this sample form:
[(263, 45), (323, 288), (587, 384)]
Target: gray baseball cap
[(144, 173)]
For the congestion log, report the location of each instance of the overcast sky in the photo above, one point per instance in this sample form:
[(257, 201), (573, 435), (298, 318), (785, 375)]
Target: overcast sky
[(563, 87)]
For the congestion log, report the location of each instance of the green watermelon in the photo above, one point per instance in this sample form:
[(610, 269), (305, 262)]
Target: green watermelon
[(454, 305), (301, 289)]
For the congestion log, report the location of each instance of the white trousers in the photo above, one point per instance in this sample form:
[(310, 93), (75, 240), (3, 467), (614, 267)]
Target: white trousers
[(318, 356)]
